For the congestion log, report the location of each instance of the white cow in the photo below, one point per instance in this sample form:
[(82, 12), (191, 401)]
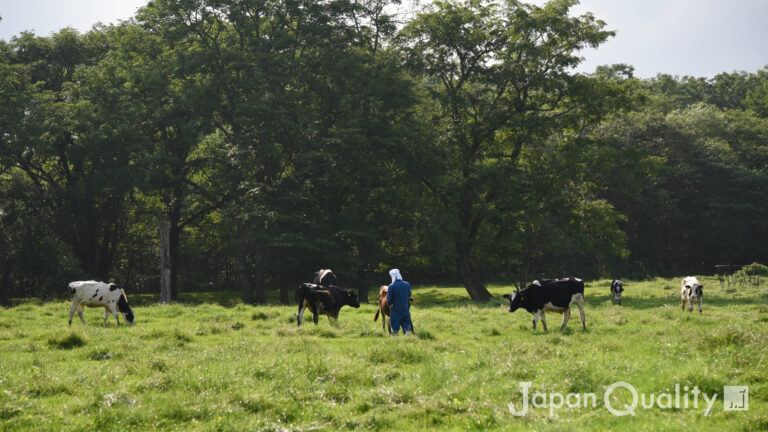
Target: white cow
[(99, 294), (691, 292)]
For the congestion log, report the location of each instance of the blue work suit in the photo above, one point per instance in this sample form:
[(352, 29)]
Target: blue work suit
[(397, 298)]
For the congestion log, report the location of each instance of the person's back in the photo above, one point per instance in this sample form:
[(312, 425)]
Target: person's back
[(397, 298), (399, 292)]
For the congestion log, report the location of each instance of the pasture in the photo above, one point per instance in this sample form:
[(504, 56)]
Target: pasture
[(204, 365)]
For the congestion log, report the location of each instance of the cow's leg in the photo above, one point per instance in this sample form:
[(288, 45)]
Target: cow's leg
[(682, 303), (300, 314), (566, 316), (80, 313), (72, 312), (581, 314), (106, 314), (302, 307), (389, 323), (699, 301), (113, 309), (316, 312), (535, 318), (544, 320), (333, 319)]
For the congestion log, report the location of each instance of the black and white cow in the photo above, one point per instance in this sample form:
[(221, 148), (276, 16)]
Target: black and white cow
[(616, 289), (325, 277), (322, 299), (691, 292), (556, 295), (99, 294)]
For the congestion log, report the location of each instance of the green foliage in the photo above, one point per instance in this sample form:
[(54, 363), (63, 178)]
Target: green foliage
[(755, 269), (279, 137), (500, 88)]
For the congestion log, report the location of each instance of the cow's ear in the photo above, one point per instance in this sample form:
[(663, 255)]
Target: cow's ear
[(701, 286), (506, 296)]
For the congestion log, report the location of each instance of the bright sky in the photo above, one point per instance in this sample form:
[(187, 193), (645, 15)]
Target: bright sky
[(678, 37)]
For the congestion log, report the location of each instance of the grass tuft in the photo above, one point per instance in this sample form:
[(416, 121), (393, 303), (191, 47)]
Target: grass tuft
[(101, 354), (259, 316)]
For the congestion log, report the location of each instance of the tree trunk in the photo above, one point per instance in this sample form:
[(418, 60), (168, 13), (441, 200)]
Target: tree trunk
[(173, 255), (472, 283), (242, 264), (4, 286), (165, 261)]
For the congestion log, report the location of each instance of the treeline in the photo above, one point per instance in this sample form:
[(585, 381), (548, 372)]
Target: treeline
[(267, 139)]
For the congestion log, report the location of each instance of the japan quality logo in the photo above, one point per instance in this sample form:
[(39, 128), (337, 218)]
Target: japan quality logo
[(735, 398)]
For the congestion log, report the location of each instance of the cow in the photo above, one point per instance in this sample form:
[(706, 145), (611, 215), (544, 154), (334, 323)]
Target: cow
[(325, 277), (384, 309), (691, 291), (322, 299), (555, 295), (99, 294), (616, 289)]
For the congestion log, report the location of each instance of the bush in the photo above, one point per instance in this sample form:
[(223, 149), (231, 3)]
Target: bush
[(755, 269)]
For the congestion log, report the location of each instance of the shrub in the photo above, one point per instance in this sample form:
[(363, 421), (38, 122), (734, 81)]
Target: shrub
[(755, 269)]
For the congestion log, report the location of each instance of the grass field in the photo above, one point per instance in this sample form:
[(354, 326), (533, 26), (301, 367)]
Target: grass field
[(208, 367)]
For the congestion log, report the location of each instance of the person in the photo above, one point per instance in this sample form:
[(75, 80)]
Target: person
[(397, 298)]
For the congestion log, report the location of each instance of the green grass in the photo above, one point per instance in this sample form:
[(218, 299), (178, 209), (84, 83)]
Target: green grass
[(204, 366)]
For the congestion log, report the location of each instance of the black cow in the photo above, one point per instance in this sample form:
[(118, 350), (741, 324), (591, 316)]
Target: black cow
[(325, 277), (616, 289), (322, 299), (555, 295)]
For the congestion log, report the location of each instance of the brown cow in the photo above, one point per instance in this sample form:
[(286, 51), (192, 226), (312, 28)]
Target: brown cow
[(384, 309)]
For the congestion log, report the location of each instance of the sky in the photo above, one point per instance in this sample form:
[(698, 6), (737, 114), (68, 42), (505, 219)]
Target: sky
[(698, 38)]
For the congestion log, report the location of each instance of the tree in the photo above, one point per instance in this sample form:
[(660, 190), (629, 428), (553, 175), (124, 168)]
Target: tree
[(701, 203), (170, 102), (499, 78), (67, 134)]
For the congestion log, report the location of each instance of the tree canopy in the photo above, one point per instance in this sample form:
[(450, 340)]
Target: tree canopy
[(272, 138)]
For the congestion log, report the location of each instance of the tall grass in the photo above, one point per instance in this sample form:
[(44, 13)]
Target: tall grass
[(204, 366)]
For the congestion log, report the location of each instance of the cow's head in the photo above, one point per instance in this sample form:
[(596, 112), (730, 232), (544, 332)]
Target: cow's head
[(694, 290), (125, 308), (352, 299), (616, 289), (515, 300)]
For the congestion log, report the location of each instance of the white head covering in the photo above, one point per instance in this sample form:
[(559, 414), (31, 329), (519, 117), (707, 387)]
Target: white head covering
[(395, 275)]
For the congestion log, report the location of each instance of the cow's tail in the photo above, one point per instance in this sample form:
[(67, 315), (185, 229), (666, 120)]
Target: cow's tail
[(376, 317)]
